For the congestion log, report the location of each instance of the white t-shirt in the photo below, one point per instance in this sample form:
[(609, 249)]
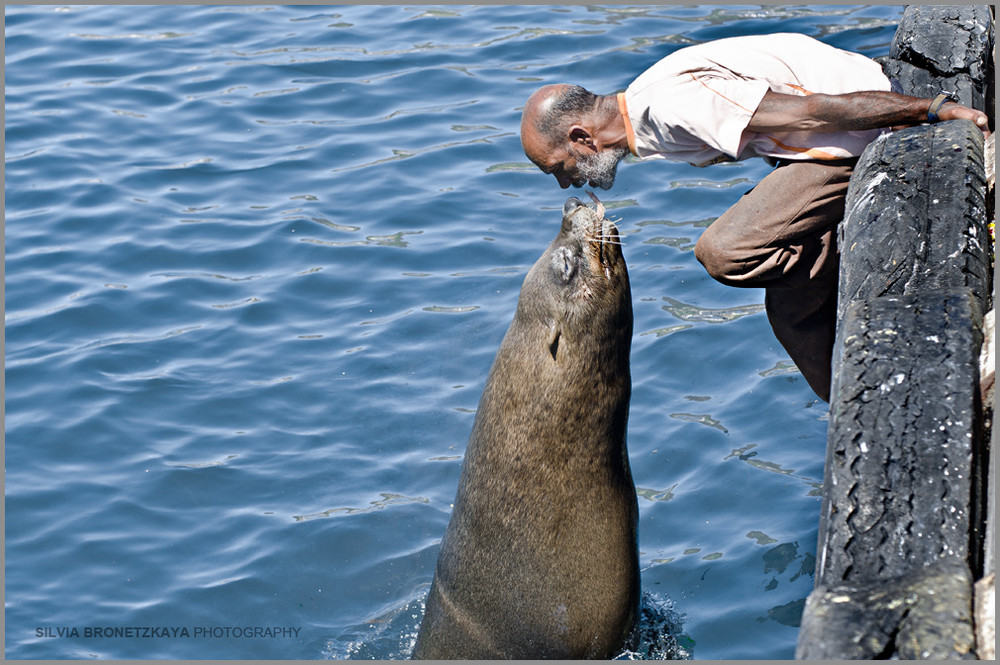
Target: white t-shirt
[(694, 105)]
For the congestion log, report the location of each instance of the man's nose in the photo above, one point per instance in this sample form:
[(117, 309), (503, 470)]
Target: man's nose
[(564, 182)]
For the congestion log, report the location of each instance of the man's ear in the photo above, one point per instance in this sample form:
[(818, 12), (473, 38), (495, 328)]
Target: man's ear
[(580, 135)]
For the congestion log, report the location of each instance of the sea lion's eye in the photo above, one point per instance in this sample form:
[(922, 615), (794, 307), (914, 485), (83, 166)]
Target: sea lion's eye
[(564, 263)]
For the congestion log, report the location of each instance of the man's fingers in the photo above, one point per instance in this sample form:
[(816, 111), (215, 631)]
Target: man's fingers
[(953, 111)]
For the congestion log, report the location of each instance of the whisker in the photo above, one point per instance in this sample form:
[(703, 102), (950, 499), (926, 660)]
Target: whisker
[(606, 240)]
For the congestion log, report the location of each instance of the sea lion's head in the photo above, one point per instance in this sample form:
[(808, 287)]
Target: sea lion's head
[(587, 237), (578, 290)]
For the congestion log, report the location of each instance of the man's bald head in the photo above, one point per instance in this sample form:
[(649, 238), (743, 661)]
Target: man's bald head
[(549, 113)]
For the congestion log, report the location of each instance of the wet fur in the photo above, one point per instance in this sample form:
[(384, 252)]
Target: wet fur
[(540, 559)]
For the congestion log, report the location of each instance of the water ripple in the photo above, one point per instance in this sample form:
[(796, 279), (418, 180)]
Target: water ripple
[(258, 261)]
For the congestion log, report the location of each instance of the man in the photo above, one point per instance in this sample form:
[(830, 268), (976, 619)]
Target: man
[(806, 107)]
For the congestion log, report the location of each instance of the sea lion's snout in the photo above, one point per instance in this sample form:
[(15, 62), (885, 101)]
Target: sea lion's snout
[(572, 203)]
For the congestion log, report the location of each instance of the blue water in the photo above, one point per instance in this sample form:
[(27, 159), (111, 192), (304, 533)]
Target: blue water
[(258, 262)]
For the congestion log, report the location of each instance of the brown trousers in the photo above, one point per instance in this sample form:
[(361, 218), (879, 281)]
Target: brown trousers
[(782, 236)]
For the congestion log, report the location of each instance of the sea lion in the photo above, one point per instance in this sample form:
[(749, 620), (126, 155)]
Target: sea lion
[(540, 557)]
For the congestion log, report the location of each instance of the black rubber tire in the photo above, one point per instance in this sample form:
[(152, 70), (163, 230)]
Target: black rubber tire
[(916, 215), (900, 452), (948, 42), (926, 615), (919, 82), (945, 39)]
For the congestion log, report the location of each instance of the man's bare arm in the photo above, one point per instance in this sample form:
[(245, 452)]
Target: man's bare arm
[(872, 109)]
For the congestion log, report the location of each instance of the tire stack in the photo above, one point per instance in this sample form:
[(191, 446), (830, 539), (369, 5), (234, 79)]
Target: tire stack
[(904, 514)]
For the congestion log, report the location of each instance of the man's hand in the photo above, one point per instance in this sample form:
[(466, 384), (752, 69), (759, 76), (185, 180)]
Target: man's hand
[(955, 111)]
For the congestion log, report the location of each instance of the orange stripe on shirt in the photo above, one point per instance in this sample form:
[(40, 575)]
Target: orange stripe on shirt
[(695, 78), (799, 88), (815, 153)]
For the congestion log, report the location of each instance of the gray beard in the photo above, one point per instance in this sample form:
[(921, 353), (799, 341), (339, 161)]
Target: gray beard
[(600, 169)]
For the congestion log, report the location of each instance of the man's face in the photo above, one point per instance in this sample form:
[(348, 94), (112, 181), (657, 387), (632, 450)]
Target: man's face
[(573, 166)]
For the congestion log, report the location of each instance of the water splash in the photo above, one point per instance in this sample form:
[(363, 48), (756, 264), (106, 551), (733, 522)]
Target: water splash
[(661, 635), (392, 634)]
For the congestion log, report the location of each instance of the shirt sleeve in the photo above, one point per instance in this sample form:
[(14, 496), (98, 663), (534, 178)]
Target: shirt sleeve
[(714, 109)]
